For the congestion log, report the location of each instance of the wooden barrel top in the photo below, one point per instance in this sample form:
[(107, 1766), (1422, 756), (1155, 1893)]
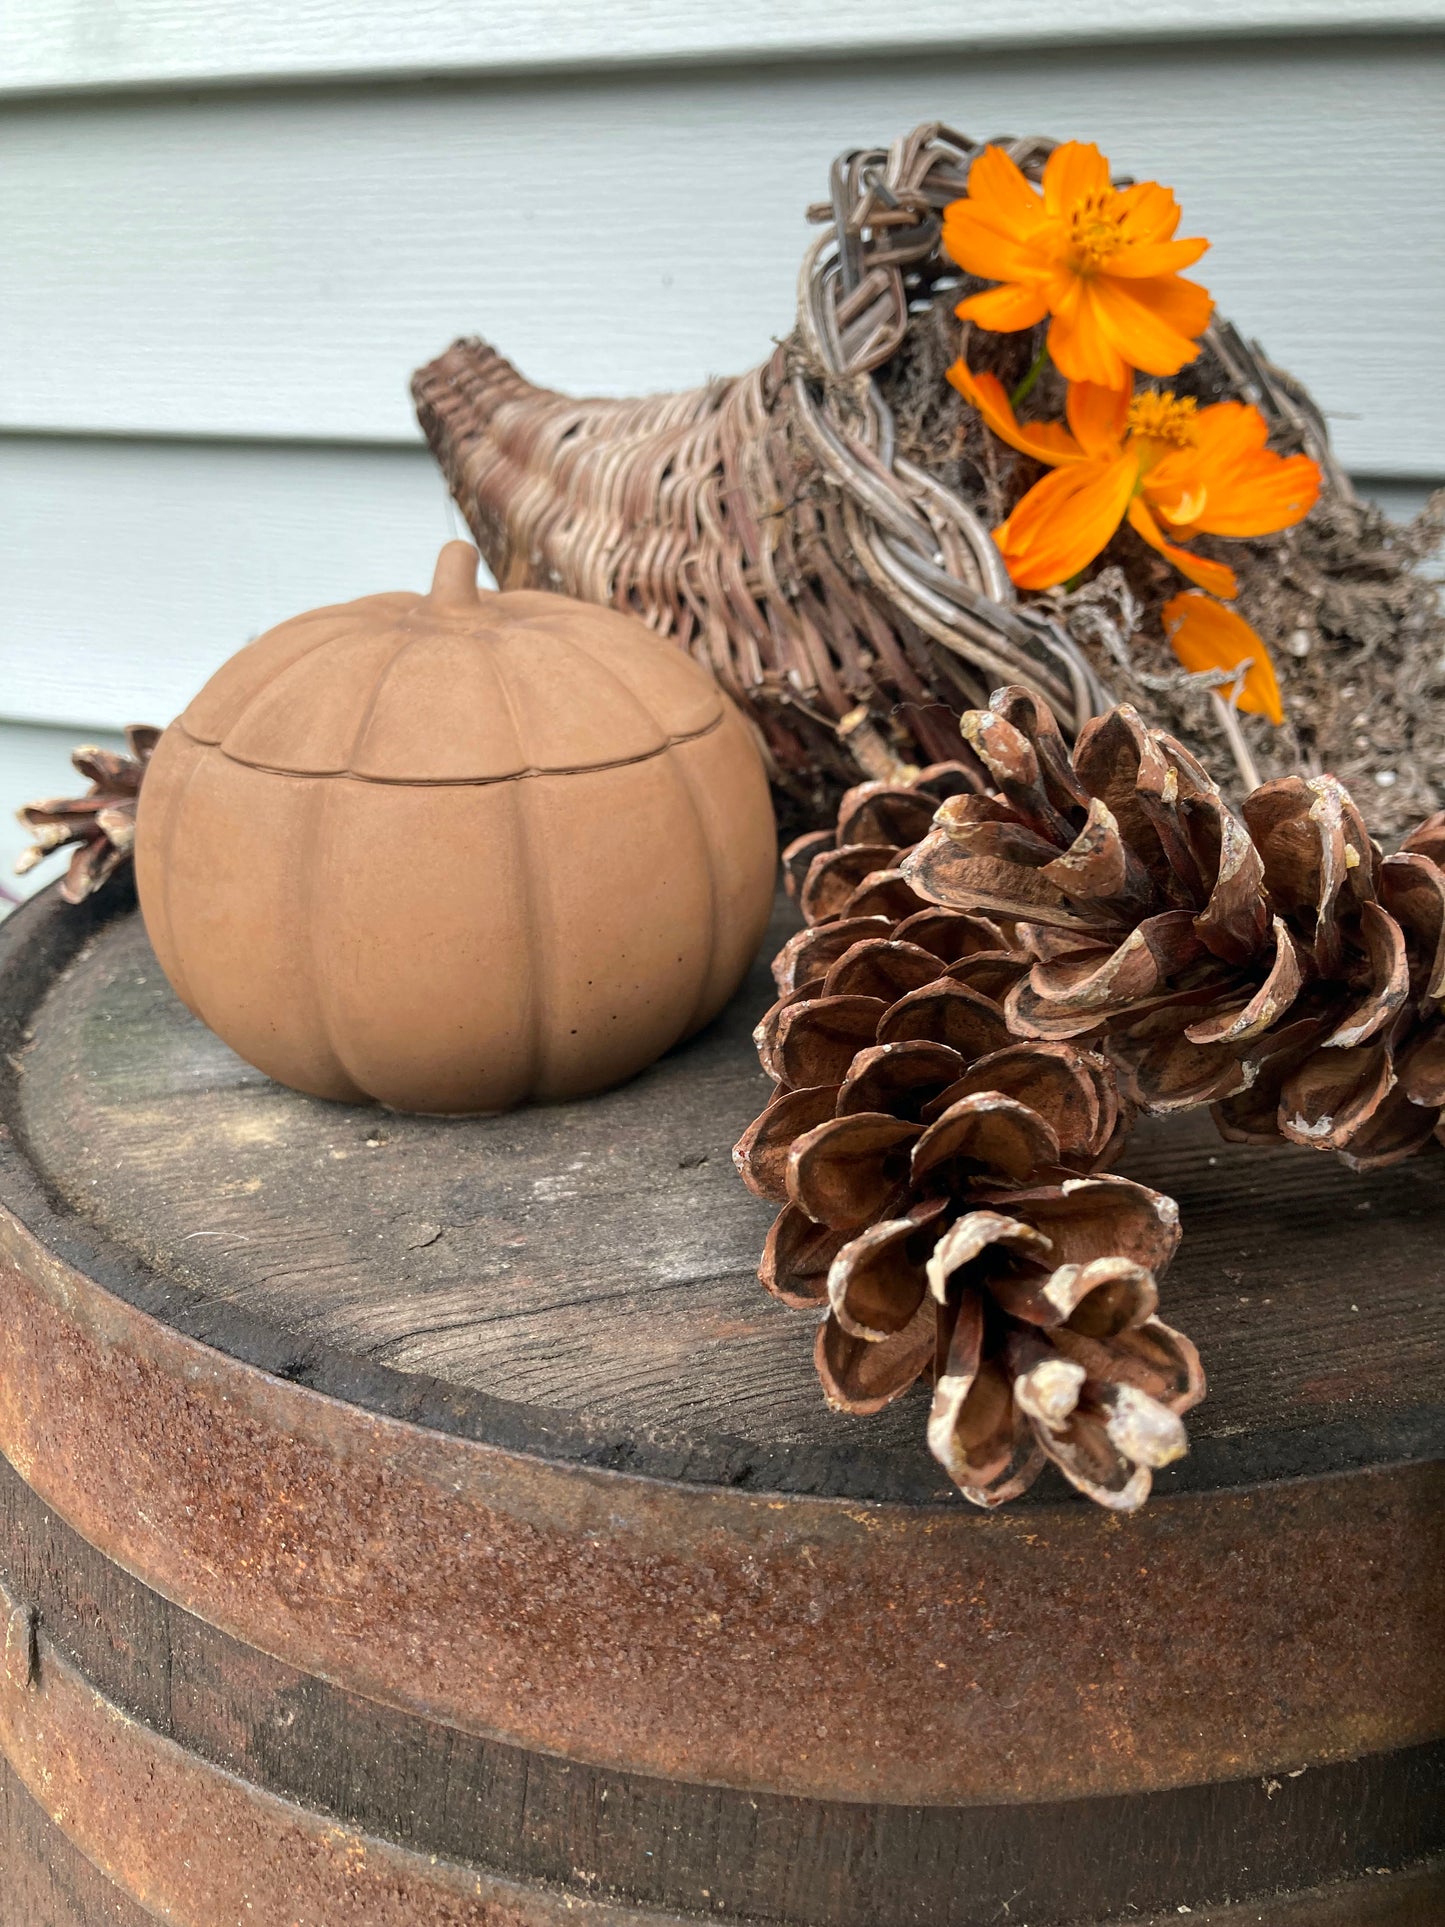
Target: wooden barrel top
[(478, 1442), (579, 1280)]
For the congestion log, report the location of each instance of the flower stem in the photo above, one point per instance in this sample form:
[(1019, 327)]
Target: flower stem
[(1026, 386), (1229, 722)]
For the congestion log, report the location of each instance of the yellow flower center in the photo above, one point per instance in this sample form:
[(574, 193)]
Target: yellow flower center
[(1095, 235), (1166, 417)]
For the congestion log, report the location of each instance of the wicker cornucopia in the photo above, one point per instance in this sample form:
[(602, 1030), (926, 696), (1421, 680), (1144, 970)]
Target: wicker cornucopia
[(817, 530)]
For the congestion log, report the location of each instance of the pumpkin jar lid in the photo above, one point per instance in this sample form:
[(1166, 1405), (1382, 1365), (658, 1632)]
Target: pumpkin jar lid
[(460, 685)]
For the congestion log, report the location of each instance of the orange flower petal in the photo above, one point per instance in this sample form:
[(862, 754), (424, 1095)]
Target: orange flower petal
[(1099, 416), (1054, 443), (1227, 430), (976, 245), (1177, 476), (1001, 191), (1179, 511), (1045, 441), (1065, 520), (1263, 500), (1004, 310), (1135, 327), (1214, 576), (1101, 262), (1149, 211), (1080, 348), (1151, 258), (1184, 305), (1072, 172), (1205, 635)]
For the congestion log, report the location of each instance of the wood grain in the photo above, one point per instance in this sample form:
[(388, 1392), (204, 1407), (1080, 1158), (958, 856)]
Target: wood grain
[(587, 1269), (149, 1133), (277, 264), (44, 47)]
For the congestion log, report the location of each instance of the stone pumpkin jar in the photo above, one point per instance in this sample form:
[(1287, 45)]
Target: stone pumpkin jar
[(456, 851)]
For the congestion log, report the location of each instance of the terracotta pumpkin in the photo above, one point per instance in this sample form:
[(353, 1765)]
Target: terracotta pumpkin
[(457, 850)]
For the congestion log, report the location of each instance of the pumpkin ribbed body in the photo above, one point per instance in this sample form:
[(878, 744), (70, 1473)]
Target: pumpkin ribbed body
[(453, 852)]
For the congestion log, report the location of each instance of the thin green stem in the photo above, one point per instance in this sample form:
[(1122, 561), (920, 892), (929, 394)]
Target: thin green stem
[(1026, 386)]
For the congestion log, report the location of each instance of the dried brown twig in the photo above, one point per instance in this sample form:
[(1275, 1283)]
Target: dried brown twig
[(817, 529)]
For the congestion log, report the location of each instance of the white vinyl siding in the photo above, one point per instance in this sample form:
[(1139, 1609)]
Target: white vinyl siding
[(275, 265), (138, 567), (70, 45), (231, 232)]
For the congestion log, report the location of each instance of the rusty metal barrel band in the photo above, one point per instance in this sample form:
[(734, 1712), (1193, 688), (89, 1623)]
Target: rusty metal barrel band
[(710, 1635), (664, 1845), (201, 1847)]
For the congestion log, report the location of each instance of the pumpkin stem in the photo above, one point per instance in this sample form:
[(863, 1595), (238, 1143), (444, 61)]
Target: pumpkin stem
[(454, 585)]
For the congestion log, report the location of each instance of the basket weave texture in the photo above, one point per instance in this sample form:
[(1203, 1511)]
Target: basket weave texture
[(791, 526)]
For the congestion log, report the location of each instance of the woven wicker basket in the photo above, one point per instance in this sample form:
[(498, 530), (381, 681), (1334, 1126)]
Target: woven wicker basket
[(781, 525)]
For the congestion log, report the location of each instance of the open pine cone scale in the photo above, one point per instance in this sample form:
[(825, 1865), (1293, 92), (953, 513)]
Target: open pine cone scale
[(1279, 966), (101, 824), (938, 1185)]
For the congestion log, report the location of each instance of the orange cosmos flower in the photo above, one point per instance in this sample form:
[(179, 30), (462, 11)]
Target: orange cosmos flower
[(1148, 459), (1206, 635), (1102, 261)]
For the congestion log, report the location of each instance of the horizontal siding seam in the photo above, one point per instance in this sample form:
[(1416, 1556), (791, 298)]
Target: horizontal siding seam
[(1425, 475), (197, 438), (1010, 36)]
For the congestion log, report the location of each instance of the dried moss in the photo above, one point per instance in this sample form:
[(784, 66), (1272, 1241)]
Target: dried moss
[(1352, 618)]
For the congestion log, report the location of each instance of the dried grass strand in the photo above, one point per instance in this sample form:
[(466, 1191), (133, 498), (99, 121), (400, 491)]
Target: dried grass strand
[(817, 530)]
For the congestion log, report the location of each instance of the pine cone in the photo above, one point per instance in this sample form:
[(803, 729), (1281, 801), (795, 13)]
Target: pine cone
[(101, 823), (1279, 968), (937, 1188), (878, 823)]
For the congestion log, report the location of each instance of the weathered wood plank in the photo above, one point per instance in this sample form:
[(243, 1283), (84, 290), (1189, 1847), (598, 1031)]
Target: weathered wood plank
[(1253, 1632), (590, 1266)]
